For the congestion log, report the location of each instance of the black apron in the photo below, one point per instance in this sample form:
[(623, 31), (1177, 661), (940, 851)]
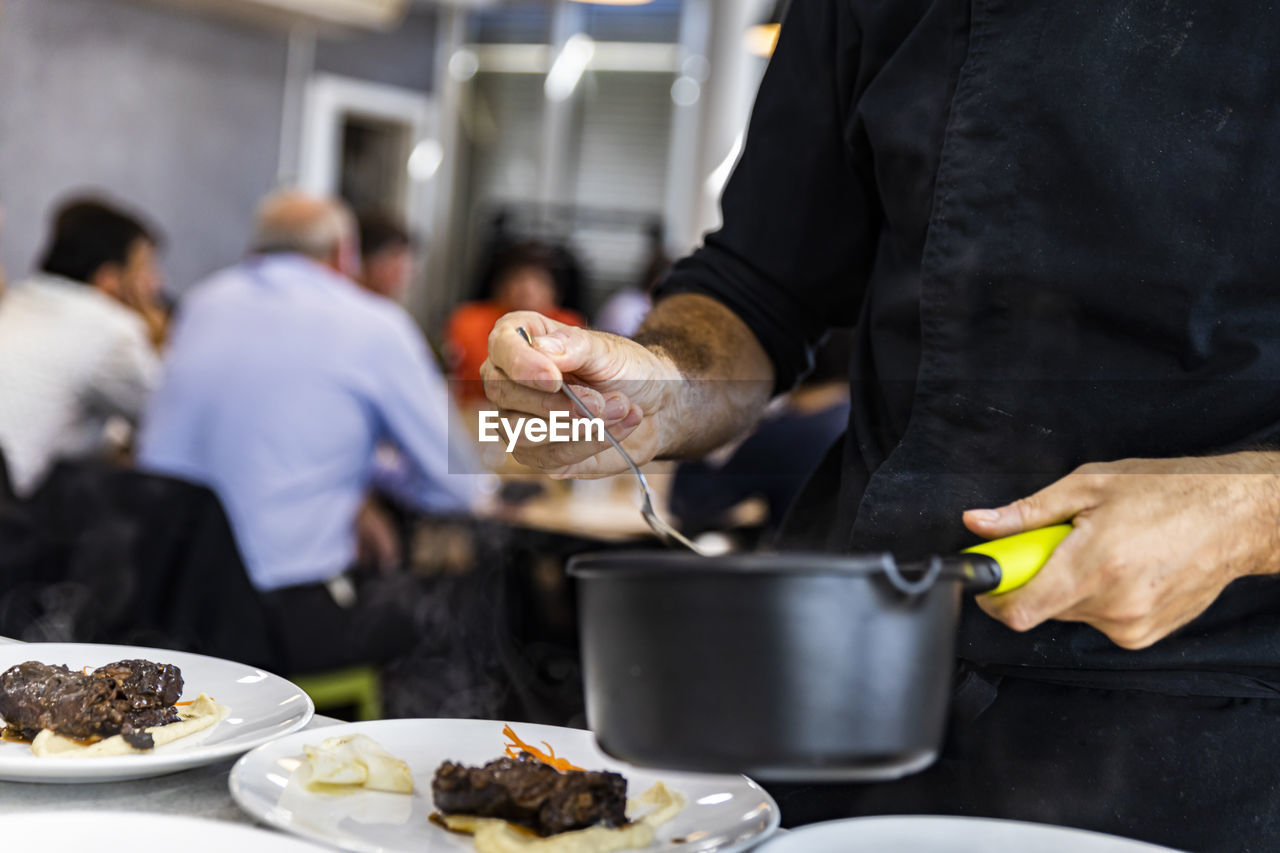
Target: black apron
[(1098, 281)]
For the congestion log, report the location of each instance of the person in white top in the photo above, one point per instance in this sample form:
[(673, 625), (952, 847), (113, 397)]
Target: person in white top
[(74, 351)]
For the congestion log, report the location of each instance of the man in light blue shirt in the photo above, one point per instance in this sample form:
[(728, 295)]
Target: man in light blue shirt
[(282, 380)]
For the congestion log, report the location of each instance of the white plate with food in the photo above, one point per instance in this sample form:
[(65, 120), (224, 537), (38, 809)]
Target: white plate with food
[(939, 834), (70, 717), (78, 831), (285, 784)]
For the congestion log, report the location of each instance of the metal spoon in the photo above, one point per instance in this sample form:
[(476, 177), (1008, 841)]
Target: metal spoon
[(657, 523)]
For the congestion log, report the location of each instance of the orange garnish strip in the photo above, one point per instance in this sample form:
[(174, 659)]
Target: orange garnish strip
[(517, 746)]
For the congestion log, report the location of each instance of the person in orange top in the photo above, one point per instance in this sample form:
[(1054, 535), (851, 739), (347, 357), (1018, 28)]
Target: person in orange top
[(522, 277)]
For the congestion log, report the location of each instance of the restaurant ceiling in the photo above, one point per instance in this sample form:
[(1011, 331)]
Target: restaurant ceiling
[(340, 14)]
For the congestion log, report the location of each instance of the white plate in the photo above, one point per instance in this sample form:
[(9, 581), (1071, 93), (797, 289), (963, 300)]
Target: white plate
[(106, 832), (724, 813), (262, 706), (936, 834)]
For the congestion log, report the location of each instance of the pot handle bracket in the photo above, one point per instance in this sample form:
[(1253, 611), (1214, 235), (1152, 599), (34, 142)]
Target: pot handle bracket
[(912, 588)]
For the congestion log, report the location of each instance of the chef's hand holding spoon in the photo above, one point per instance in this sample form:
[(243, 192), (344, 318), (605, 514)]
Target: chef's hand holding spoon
[(1154, 542), (694, 378)]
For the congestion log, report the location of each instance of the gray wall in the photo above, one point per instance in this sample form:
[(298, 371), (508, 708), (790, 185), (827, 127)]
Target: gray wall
[(175, 114), (404, 57)]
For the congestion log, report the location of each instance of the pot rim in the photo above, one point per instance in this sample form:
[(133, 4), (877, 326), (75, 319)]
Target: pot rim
[(642, 563)]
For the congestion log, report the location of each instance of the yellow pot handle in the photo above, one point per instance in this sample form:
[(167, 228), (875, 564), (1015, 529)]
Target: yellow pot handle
[(1022, 555)]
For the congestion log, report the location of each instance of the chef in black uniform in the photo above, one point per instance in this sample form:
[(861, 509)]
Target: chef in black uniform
[(1055, 227)]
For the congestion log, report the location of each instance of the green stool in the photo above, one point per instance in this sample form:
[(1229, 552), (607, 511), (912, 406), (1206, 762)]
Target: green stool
[(357, 686)]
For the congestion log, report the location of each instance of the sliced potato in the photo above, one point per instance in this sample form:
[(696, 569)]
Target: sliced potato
[(356, 760)]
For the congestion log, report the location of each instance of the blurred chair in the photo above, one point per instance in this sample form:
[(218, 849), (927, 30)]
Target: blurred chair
[(7, 494), (357, 687), (23, 552), (125, 557)]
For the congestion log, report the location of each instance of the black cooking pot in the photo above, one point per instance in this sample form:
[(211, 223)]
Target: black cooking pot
[(782, 666)]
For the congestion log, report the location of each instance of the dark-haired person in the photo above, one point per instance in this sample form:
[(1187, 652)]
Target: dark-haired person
[(624, 311), (386, 265), (522, 277), (386, 254), (1054, 228), (74, 350)]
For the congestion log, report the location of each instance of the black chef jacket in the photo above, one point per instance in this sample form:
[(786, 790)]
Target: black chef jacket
[(1054, 226)]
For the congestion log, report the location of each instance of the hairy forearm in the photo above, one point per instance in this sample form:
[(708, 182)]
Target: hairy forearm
[(727, 377), (1254, 480)]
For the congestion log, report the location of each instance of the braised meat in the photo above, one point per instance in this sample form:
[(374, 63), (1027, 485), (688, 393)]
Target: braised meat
[(120, 698), (35, 696), (527, 792), (146, 684)]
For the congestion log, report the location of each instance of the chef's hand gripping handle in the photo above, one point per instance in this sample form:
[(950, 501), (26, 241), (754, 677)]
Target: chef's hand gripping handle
[(1022, 555)]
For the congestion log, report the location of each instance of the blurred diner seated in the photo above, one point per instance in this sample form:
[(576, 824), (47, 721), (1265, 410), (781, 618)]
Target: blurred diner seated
[(386, 254), (282, 379), (75, 345), (624, 311), (386, 263), (521, 277), (383, 527)]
